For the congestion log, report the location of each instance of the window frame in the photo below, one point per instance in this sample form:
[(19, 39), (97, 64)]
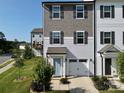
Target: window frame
[(107, 38), (80, 37), (80, 12), (59, 12), (53, 32)]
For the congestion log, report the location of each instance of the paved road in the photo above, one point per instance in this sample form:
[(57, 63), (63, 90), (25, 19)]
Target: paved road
[(4, 58)]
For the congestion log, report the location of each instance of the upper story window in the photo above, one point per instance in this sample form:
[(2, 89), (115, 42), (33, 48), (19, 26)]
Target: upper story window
[(56, 37), (33, 35), (39, 35), (80, 37), (79, 11), (107, 37), (56, 11), (107, 11), (123, 11)]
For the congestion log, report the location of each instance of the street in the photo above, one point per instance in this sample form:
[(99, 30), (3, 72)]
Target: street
[(4, 58)]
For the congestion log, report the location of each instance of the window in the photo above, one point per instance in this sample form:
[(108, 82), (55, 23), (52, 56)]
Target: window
[(79, 11), (33, 35), (123, 11), (56, 11), (82, 60), (72, 60), (107, 37), (107, 11), (81, 37), (56, 37)]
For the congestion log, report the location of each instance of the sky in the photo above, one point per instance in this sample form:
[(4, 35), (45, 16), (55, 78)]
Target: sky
[(19, 17)]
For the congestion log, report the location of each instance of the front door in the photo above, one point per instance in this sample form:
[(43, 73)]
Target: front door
[(57, 66), (107, 66)]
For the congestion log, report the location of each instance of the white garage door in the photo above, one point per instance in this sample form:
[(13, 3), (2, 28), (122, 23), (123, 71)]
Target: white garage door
[(78, 67)]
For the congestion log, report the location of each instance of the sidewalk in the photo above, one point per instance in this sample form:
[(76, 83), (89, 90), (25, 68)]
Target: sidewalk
[(6, 67)]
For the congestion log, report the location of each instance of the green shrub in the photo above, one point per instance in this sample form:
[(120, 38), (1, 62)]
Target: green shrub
[(64, 81), (95, 78), (120, 66), (101, 83), (42, 76), (1, 51), (28, 54)]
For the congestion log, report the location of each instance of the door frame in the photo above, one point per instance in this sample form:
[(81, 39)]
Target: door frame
[(108, 66), (61, 65)]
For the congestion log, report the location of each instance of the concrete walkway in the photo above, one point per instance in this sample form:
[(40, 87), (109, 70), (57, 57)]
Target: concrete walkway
[(6, 67), (77, 84), (116, 82)]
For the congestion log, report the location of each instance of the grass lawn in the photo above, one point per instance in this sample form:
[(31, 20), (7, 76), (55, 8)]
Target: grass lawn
[(8, 83), (113, 91), (5, 64)]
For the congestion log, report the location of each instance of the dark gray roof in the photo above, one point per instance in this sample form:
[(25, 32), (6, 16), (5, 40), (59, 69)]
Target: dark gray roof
[(37, 30), (65, 2), (57, 50), (109, 48)]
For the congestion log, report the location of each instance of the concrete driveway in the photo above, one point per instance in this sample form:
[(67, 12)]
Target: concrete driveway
[(77, 85)]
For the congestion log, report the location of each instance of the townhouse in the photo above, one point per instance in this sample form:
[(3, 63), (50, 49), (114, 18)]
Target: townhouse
[(37, 41), (109, 35), (68, 37), (83, 38)]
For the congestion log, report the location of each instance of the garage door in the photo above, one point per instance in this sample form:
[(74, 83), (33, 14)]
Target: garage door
[(78, 67)]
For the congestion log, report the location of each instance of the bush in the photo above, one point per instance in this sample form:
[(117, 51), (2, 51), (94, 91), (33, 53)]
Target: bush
[(95, 78), (101, 83), (38, 87), (1, 51), (120, 66), (64, 81), (28, 54), (42, 76)]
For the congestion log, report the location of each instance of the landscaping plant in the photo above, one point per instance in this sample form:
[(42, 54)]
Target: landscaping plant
[(64, 80), (120, 66), (28, 54), (101, 83), (42, 76), (19, 64)]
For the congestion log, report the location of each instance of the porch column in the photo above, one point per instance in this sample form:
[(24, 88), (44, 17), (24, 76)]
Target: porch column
[(64, 67)]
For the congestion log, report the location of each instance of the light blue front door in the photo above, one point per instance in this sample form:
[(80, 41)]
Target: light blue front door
[(57, 66)]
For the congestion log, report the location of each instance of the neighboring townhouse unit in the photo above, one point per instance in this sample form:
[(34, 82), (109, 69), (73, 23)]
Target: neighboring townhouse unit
[(69, 37), (109, 35), (37, 41)]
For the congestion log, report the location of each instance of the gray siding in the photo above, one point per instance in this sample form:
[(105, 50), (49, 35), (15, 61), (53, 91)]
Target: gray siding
[(68, 24)]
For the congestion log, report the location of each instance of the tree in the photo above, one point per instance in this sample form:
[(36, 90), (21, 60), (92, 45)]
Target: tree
[(120, 66), (28, 52), (42, 76), (19, 64)]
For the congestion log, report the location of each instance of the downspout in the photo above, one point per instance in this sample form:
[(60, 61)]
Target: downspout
[(94, 38), (102, 63)]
